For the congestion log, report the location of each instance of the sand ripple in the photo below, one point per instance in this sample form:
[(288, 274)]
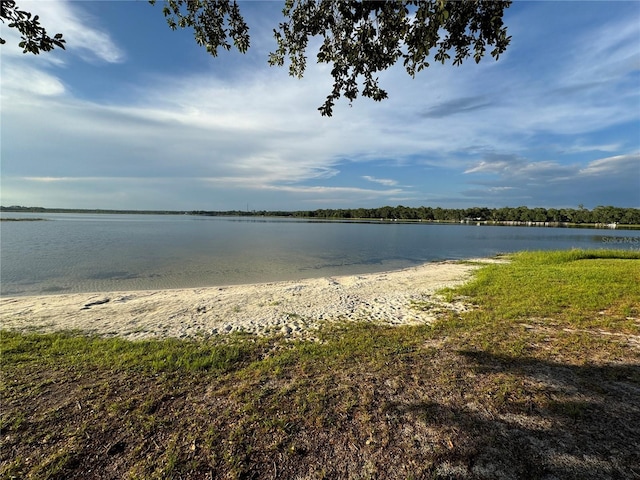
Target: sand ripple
[(293, 308)]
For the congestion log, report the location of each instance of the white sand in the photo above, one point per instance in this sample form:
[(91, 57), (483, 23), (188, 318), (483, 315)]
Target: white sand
[(294, 308)]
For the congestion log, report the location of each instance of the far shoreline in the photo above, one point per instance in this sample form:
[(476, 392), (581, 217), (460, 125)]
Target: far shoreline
[(601, 217)]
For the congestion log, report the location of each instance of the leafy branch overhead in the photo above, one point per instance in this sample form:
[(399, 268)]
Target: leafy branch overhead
[(214, 22), (34, 38), (358, 39)]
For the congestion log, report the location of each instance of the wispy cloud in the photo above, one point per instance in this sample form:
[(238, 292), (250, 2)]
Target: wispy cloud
[(554, 182), (82, 33), (382, 181), (497, 164), (456, 106), (40, 82), (582, 147), (618, 165), (511, 166)]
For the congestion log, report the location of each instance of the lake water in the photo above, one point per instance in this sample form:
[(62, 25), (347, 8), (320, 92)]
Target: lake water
[(84, 252)]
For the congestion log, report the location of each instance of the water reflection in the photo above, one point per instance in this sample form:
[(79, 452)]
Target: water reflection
[(80, 252)]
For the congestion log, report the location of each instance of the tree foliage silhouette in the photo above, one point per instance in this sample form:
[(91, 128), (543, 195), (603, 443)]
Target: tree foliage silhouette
[(357, 39)]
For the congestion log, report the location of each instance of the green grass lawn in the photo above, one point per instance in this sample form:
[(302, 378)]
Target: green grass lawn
[(541, 379)]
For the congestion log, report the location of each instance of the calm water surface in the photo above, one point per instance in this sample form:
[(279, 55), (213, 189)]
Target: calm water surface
[(83, 252)]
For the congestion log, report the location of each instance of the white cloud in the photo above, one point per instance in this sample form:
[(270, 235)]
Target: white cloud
[(489, 167), (39, 82), (381, 181), (54, 179), (614, 178), (551, 171), (581, 147), (331, 190), (620, 164), (81, 32), (608, 52)]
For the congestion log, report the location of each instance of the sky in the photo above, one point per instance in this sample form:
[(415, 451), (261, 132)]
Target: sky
[(133, 115)]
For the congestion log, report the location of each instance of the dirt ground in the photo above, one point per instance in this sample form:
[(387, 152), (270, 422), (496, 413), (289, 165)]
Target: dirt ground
[(432, 413)]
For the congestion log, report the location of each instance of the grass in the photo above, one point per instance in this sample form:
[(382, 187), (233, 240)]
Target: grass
[(540, 379), (580, 295), (574, 287), (170, 355)]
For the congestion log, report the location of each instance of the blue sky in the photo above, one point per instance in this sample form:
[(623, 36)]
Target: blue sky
[(133, 115)]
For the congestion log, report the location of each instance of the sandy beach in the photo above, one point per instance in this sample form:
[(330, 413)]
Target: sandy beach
[(294, 308)]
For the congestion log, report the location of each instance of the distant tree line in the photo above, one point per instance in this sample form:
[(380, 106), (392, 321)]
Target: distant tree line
[(600, 214), (244, 213), (17, 208)]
